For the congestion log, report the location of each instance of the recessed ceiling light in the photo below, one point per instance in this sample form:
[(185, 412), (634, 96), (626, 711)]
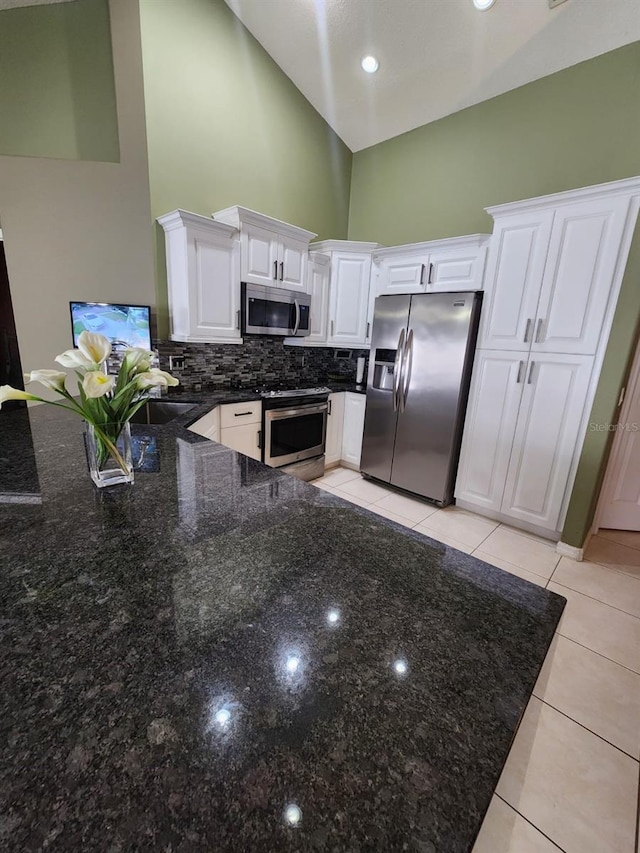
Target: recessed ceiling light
[(483, 5), (370, 64)]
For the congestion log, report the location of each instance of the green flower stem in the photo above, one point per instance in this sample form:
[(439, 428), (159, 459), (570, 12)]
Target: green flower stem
[(111, 447)]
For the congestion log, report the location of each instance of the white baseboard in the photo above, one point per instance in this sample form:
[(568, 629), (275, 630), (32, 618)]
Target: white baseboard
[(570, 551)]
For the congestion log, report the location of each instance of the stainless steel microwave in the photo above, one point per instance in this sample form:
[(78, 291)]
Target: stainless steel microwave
[(273, 311)]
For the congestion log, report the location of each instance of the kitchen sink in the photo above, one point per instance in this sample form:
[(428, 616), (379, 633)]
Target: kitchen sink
[(160, 412)]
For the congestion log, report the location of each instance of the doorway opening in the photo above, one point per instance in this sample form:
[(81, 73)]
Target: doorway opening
[(616, 526)]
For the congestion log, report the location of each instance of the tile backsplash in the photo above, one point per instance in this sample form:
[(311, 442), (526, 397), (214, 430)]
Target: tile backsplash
[(259, 360)]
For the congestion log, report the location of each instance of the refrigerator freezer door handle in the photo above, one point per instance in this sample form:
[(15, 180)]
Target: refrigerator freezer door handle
[(408, 364), (397, 371)]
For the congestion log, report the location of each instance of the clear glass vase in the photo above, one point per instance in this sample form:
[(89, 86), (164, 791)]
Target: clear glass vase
[(109, 454)]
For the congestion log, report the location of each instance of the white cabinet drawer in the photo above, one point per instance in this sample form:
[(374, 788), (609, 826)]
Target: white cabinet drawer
[(235, 414)]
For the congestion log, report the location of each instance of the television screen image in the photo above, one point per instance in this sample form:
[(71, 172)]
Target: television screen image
[(124, 325)]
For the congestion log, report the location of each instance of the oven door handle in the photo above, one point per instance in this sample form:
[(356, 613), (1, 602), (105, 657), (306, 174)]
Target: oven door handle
[(297, 323), (279, 414)]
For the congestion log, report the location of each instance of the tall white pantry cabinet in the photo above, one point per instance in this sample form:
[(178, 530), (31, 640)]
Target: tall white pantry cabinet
[(554, 272)]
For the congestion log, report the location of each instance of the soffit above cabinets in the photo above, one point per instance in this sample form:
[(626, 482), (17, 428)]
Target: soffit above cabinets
[(436, 56)]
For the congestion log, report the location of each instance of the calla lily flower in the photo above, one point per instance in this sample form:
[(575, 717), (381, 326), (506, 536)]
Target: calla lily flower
[(8, 393), (137, 359), (97, 384), (74, 359), (154, 378), (52, 379), (94, 347)]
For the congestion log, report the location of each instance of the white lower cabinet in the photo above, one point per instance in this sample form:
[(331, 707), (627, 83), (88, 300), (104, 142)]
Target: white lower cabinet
[(245, 438), (522, 433), (353, 428), (241, 427), (208, 425), (490, 424), (335, 420), (547, 437)]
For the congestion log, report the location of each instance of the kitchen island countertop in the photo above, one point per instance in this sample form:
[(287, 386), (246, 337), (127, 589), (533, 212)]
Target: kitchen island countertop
[(222, 657)]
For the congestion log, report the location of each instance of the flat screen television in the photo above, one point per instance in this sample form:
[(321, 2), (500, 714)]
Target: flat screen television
[(124, 325)]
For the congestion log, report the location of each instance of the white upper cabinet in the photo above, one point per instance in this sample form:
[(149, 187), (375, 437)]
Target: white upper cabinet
[(259, 255), (349, 299), (319, 270), (293, 263), (403, 274), (515, 268), (438, 265), (581, 264), (456, 269), (273, 252), (555, 268), (203, 267), (342, 315)]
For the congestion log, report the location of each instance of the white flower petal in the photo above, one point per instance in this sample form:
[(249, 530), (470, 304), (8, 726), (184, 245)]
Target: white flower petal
[(8, 393), (170, 380), (94, 346), (74, 359), (97, 384), (52, 379)]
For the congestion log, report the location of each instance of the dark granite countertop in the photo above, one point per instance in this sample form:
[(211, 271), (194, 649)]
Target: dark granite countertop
[(208, 399), (185, 658)]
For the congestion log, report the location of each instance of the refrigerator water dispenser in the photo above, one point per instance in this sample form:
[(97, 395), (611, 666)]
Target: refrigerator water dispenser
[(383, 369)]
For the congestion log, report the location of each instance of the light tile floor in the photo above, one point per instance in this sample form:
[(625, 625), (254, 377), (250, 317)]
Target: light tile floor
[(571, 779)]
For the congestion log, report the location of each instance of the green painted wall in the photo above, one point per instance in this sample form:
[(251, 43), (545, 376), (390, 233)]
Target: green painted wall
[(578, 127), (57, 94), (226, 126)]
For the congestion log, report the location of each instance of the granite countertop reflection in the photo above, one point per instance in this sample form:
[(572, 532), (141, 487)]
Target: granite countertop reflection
[(222, 657)]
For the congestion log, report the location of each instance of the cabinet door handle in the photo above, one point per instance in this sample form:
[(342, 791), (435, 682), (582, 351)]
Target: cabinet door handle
[(241, 414), (538, 330), (430, 279), (527, 329), (368, 329), (281, 270), (329, 409), (238, 319), (332, 328), (519, 376), (275, 270), (531, 373), (423, 269), (259, 439)]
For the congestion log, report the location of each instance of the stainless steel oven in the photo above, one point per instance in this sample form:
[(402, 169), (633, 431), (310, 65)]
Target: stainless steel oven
[(295, 429), (274, 311)]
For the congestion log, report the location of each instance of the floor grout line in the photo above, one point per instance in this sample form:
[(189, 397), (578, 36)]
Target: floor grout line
[(595, 652), (593, 598), (610, 568), (524, 817), (624, 544), (586, 728), (559, 632)]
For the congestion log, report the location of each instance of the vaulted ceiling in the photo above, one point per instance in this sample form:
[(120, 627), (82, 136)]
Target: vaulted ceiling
[(436, 56)]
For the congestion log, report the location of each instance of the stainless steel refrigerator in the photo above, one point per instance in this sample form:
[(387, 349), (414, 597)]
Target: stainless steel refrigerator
[(422, 349)]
